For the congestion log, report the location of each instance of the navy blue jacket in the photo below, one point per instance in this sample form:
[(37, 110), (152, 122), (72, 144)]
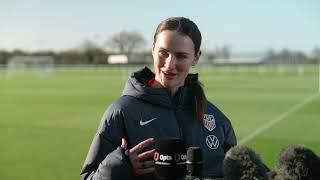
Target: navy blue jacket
[(171, 117)]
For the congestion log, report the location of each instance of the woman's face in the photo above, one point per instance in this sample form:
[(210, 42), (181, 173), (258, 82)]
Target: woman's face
[(173, 54)]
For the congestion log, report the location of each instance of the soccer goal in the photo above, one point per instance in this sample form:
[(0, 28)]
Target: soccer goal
[(38, 65)]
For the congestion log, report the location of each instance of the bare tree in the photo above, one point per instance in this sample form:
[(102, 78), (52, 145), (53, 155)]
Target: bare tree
[(126, 42), (87, 45), (91, 52)]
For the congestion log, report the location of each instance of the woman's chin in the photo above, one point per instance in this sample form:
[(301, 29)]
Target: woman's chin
[(170, 85)]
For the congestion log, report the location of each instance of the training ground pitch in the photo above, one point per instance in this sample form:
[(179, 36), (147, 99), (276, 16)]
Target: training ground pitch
[(47, 122)]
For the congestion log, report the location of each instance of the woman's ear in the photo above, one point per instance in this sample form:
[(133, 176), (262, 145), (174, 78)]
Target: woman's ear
[(152, 47), (196, 58)]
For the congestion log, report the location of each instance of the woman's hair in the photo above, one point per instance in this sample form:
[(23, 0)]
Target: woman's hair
[(189, 28), (182, 25)]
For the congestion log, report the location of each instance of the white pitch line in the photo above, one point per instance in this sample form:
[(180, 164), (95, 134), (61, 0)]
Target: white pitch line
[(276, 120)]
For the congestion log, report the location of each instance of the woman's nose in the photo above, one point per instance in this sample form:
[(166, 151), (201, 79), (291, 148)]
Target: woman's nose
[(170, 62)]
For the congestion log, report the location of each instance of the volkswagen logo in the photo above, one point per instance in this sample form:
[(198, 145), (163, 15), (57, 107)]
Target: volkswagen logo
[(212, 142)]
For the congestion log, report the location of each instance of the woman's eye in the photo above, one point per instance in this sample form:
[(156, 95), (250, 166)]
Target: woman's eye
[(181, 56), (163, 54)]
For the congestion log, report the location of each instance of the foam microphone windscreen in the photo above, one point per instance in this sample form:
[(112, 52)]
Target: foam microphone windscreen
[(170, 158), (194, 162)]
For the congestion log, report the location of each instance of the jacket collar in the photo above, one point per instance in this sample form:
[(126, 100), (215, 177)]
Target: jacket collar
[(136, 86)]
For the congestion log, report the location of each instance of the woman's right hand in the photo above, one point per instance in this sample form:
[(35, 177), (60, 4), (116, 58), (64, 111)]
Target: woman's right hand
[(137, 158)]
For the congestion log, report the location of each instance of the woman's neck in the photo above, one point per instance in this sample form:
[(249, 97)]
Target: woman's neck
[(157, 84)]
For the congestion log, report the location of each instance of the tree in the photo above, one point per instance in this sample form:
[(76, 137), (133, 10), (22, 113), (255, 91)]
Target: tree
[(91, 52), (316, 55), (95, 56), (69, 57), (226, 52), (286, 56), (270, 53), (87, 45), (126, 42), (4, 55), (223, 52), (211, 56)]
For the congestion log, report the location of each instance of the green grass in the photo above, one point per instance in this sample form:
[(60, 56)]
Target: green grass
[(47, 123)]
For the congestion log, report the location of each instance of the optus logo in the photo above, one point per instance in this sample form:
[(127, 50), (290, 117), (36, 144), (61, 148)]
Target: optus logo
[(156, 156), (177, 157), (180, 157)]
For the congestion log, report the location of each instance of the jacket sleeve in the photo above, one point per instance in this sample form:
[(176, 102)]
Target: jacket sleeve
[(105, 159), (230, 137)]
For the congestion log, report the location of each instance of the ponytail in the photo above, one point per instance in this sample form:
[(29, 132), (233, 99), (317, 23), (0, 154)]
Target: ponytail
[(198, 95)]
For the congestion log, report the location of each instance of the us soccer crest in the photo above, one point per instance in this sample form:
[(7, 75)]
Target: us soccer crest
[(209, 122)]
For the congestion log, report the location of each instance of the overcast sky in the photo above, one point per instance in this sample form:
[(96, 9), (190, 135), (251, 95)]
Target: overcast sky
[(244, 25)]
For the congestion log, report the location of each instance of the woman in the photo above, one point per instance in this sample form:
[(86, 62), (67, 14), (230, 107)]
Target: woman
[(169, 103)]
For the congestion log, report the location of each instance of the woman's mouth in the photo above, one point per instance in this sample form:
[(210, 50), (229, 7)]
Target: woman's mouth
[(168, 75)]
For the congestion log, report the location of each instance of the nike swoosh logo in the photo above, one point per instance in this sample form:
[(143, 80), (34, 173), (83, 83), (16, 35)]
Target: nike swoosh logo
[(142, 123)]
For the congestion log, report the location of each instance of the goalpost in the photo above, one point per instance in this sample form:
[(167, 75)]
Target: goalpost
[(37, 65)]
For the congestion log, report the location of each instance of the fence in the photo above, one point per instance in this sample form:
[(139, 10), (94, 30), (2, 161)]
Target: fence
[(203, 69)]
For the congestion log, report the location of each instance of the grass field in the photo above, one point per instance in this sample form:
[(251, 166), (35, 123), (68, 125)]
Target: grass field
[(47, 122)]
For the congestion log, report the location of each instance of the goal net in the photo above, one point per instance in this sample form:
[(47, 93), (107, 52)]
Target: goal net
[(37, 65)]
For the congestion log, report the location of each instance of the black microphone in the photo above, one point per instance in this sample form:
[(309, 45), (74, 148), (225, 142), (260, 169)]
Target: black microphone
[(194, 163), (170, 159)]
